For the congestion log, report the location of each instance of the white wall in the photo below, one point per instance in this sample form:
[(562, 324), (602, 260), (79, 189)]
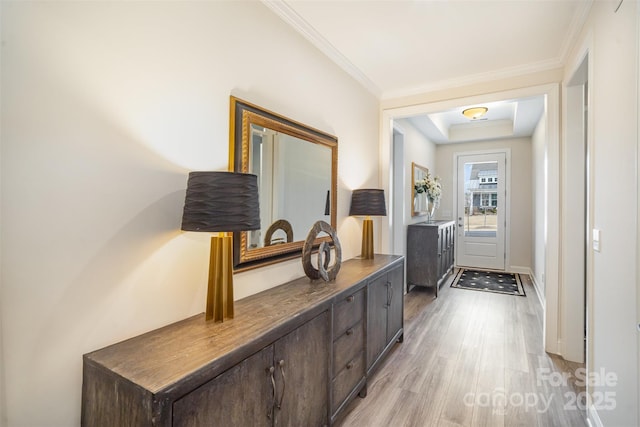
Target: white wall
[(520, 242), (612, 40), (417, 149), (538, 141), (105, 108)]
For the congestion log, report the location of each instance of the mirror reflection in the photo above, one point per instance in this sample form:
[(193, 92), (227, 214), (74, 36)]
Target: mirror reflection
[(294, 179), (296, 167), (419, 204)]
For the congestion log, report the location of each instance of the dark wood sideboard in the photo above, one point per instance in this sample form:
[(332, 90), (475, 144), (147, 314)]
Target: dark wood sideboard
[(430, 253), (295, 354)]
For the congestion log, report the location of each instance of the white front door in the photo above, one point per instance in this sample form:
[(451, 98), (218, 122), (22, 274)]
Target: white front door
[(481, 211)]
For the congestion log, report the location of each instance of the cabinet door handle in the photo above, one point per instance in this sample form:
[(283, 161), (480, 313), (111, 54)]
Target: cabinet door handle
[(349, 365), (349, 331), (390, 293), (350, 298), (284, 383), (270, 371)]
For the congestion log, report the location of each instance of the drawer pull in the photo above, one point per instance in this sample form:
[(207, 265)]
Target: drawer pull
[(284, 384), (349, 331), (270, 371), (350, 298), (349, 365)]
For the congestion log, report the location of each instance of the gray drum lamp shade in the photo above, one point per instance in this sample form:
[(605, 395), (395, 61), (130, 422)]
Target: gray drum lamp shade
[(368, 202), (221, 201)]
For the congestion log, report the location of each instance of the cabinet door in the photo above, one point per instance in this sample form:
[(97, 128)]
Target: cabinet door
[(396, 303), (377, 312), (302, 375), (241, 396)]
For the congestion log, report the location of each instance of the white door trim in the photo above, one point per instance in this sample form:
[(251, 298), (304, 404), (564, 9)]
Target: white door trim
[(576, 216), (507, 214), (396, 200), (585, 52)]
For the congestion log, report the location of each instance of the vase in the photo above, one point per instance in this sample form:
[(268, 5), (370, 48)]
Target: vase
[(431, 209), (419, 202)]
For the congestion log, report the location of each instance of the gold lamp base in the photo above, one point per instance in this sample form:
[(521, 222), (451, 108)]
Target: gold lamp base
[(367, 238), (220, 287)]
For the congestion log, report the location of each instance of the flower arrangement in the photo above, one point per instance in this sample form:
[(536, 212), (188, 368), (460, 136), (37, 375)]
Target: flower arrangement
[(431, 186)]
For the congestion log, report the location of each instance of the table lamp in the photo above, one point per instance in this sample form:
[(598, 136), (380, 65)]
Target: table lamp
[(221, 202), (367, 202)]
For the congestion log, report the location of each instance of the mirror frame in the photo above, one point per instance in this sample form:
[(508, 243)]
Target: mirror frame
[(242, 115), (414, 168)]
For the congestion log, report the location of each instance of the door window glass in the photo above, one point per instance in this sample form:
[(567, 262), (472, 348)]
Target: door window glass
[(481, 199)]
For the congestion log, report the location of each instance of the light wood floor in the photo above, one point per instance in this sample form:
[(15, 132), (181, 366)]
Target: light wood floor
[(469, 358)]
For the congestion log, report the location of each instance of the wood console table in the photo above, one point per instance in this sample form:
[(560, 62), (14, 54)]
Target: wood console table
[(430, 253), (295, 354)]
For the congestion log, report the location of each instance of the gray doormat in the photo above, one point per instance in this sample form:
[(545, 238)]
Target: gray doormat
[(489, 281)]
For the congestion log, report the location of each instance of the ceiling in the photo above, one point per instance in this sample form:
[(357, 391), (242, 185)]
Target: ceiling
[(407, 47), (511, 118)]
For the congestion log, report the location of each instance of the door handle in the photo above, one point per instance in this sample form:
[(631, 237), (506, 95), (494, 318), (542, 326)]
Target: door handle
[(388, 303), (270, 371), (284, 384)]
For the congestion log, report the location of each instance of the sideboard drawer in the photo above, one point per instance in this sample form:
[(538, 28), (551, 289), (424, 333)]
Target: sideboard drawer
[(348, 312), (347, 346), (347, 379)]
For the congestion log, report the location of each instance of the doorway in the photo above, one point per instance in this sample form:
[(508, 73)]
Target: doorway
[(547, 282), (481, 210)]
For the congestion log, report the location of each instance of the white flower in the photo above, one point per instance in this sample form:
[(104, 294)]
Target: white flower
[(431, 186)]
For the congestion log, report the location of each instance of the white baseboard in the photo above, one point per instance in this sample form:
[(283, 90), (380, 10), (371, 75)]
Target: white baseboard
[(592, 417), (536, 286), (518, 269)]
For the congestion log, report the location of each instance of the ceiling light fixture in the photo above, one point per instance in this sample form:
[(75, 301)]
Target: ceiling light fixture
[(475, 112)]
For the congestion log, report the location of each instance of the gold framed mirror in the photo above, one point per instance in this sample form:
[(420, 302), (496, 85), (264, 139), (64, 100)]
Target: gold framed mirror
[(419, 203), (296, 167)]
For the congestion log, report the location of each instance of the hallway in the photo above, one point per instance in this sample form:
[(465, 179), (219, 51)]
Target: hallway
[(470, 358)]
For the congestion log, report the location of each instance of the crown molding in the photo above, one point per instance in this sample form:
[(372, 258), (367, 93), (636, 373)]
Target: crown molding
[(291, 17), (577, 23), (479, 78)]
